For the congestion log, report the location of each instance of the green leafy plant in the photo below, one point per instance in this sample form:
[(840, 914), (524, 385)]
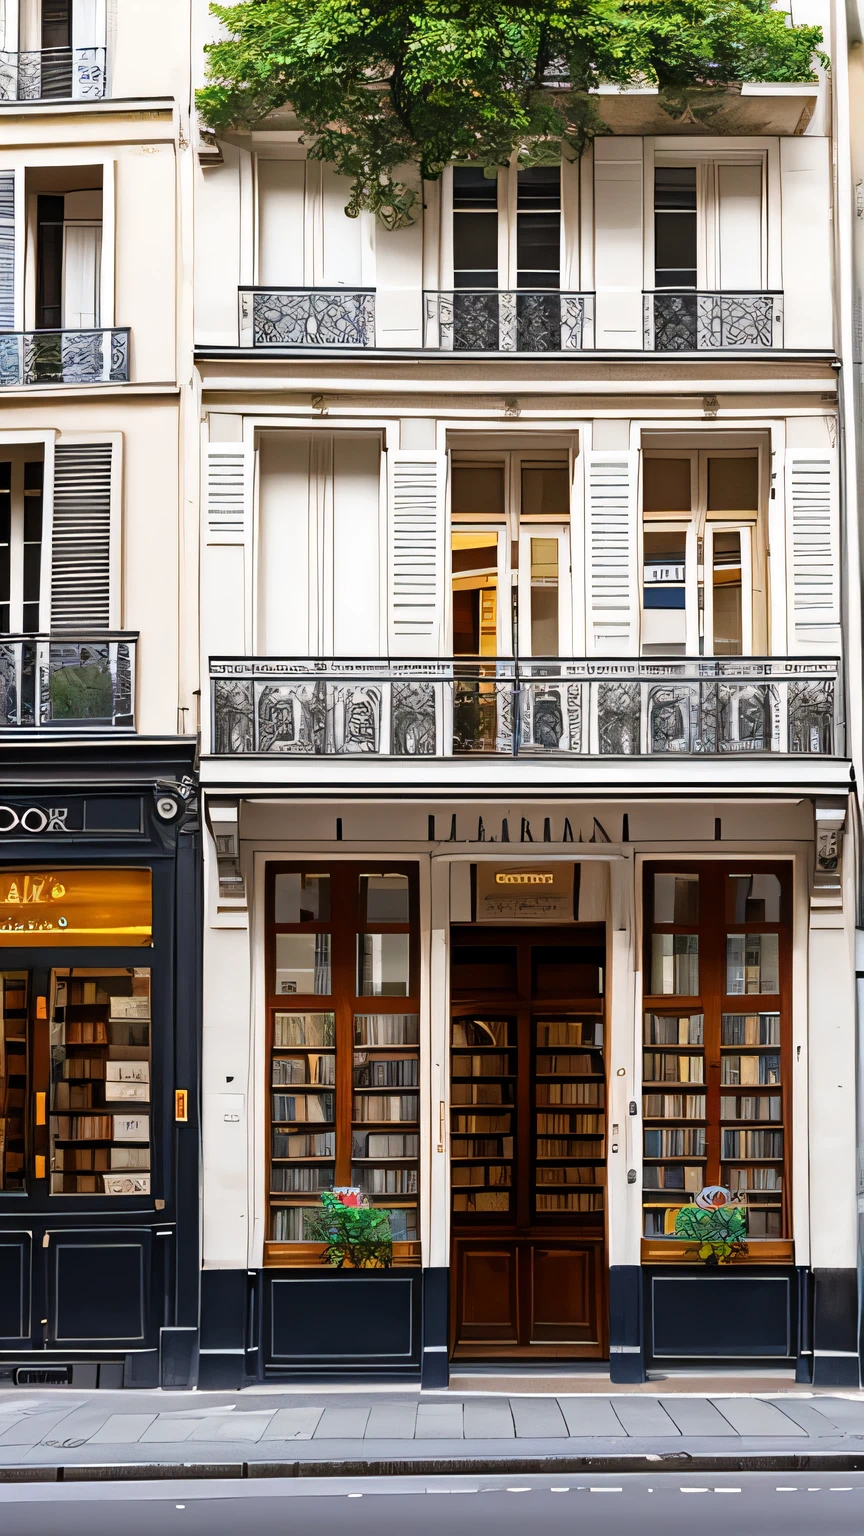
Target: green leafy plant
[(379, 85), (719, 1234), (353, 1231)]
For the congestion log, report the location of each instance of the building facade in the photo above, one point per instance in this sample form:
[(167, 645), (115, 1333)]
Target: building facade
[(527, 749), (100, 850)]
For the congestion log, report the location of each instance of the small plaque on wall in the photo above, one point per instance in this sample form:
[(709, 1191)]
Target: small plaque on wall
[(522, 893)]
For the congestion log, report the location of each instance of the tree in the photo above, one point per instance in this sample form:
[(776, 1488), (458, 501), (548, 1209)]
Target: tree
[(378, 84)]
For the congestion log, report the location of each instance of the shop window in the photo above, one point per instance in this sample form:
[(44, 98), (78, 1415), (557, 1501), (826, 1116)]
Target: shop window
[(716, 1062), (343, 1063)]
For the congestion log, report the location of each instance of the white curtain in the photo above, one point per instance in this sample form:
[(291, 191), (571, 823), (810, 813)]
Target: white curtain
[(82, 266)]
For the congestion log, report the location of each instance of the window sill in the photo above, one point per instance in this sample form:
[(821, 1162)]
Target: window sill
[(665, 1250)]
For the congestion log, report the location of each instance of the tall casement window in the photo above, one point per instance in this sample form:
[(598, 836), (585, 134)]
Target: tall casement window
[(709, 225), (475, 228), (675, 231), (342, 1045), (538, 227), (717, 1052), (510, 512), (529, 255), (69, 253), (21, 485), (704, 553)]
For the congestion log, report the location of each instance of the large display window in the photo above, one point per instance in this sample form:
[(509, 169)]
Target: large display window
[(716, 1060), (343, 1047)]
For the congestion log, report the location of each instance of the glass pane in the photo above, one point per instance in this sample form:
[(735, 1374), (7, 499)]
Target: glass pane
[(676, 898), (545, 490), (728, 621), (733, 485), (753, 899), (675, 227), (752, 963), (475, 594), (477, 490), (382, 964), (666, 485), (302, 898), (751, 1029), (303, 963), (544, 597), (384, 898), (108, 907), (386, 1028), (99, 1023), (674, 1029), (675, 964), (304, 1029), (303, 1108), (13, 1077)]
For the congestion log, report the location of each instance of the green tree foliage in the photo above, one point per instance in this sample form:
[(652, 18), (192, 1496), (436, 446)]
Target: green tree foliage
[(379, 84)]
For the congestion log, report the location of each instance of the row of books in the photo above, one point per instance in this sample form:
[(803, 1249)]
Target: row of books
[(304, 1107), (319, 1029), (482, 1125), (673, 1106), (680, 1142), (749, 1070), (675, 1177), (661, 1067), (398, 1072), (482, 1146), (560, 1146), (303, 1069), (482, 1200), (385, 1181), (488, 1065), (583, 1173), (752, 1144), (661, 1029), (101, 1127), (570, 1093), (753, 1178), (569, 1124), (101, 1159), (389, 1106), (482, 1174), (482, 1093), (583, 1200), (764, 1106), (561, 1064)]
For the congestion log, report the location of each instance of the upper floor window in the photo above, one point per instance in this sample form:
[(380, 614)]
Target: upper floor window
[(498, 246), (675, 239), (304, 236), (703, 554), (709, 224), (21, 483), (69, 260), (53, 49)]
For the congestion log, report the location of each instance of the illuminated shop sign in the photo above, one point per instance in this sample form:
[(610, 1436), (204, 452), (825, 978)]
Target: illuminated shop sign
[(73, 907), (524, 893)]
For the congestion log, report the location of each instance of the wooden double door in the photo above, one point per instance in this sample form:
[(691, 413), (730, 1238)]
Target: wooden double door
[(528, 1142)]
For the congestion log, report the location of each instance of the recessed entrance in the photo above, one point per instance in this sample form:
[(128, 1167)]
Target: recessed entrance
[(528, 1142)]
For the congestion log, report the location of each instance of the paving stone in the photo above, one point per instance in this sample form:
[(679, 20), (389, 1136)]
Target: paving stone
[(439, 1421), (342, 1424), (538, 1418), (235, 1426), (293, 1424), (750, 1416), (30, 1430), (485, 1419), (586, 1416), (644, 1416), (845, 1412), (807, 1415), (391, 1421), (122, 1429), (169, 1431), (696, 1416)]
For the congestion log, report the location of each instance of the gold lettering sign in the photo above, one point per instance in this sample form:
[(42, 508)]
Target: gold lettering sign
[(524, 893), (526, 878), (69, 907)]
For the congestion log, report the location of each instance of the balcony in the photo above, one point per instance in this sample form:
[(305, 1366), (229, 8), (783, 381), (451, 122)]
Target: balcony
[(64, 357), (53, 74), (688, 321), (307, 317), (68, 682), (485, 320), (784, 706)]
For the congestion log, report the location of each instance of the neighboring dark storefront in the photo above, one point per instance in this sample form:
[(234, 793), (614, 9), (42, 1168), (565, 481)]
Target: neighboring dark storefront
[(100, 920)]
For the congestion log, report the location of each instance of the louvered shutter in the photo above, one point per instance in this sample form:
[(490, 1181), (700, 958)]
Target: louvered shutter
[(81, 538), (226, 596), (610, 556), (7, 251), (416, 519), (813, 552)]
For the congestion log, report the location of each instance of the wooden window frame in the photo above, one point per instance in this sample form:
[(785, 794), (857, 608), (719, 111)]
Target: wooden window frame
[(712, 1002)]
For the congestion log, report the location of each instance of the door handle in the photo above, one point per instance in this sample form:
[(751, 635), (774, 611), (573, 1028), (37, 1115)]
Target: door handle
[(40, 1108), (441, 1114)]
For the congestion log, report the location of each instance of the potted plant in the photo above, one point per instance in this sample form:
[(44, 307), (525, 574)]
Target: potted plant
[(353, 1232)]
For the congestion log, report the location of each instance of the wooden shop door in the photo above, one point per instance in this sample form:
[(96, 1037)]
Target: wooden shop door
[(528, 1142)]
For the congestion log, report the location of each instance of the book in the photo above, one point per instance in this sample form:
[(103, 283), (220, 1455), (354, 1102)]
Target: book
[(131, 1127), (130, 1008), (124, 1159), (127, 1071), (126, 1183), (127, 1092)]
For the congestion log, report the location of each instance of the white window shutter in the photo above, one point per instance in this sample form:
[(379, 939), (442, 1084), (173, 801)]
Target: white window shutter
[(226, 574), (813, 553), (81, 538), (610, 555), (7, 251), (416, 521)]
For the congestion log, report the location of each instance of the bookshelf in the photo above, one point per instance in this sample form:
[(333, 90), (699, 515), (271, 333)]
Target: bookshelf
[(483, 1068), (99, 1120), (344, 1053), (14, 988), (716, 1043), (569, 1083)]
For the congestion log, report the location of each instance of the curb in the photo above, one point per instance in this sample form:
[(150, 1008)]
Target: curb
[(676, 1461)]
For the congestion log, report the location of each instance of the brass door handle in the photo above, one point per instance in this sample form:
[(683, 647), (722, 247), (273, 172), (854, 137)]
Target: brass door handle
[(40, 1108), (441, 1122)]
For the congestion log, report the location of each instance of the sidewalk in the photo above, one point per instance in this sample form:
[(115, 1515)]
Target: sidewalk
[(271, 1429)]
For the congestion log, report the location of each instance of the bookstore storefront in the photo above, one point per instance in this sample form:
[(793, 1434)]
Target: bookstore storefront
[(565, 1070), (98, 1079)]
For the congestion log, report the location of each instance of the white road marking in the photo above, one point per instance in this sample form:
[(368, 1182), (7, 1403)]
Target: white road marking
[(727, 1490), (605, 1490), (785, 1490), (693, 1490), (564, 1490)]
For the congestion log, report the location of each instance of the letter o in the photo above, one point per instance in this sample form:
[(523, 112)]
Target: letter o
[(6, 810), (33, 810)]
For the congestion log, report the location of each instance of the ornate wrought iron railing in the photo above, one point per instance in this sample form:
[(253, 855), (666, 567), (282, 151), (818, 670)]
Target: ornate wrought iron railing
[(630, 708), (307, 317), (68, 681), (690, 321), (518, 320), (64, 357), (52, 74)]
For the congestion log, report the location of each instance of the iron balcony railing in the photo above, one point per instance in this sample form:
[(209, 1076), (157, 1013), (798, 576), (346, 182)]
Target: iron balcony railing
[(307, 317), (518, 320), (68, 682), (64, 357), (53, 74), (551, 708), (689, 321)]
